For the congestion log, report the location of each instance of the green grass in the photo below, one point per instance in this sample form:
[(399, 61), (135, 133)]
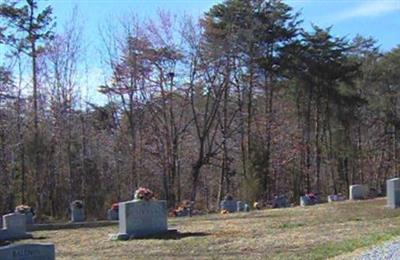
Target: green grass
[(318, 232)]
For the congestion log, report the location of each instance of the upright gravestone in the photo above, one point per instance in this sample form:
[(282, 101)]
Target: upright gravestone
[(393, 193), (141, 218), (280, 201), (239, 206), (335, 197), (229, 205), (308, 200), (28, 212), (28, 252), (305, 201), (29, 217), (77, 211), (358, 192), (14, 227), (112, 214)]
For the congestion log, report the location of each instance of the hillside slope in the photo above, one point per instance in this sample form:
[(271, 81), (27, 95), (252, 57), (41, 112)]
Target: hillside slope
[(316, 232)]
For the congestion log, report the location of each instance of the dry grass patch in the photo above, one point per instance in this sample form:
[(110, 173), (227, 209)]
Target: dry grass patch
[(316, 232)]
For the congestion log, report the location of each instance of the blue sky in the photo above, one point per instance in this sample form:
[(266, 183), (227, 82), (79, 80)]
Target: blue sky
[(377, 18)]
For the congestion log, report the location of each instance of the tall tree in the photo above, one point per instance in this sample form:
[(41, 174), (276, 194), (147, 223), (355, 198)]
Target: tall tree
[(28, 28)]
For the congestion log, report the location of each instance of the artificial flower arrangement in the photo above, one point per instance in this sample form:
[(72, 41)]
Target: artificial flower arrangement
[(184, 209), (23, 209), (77, 204), (224, 211), (114, 206), (144, 194), (256, 205)]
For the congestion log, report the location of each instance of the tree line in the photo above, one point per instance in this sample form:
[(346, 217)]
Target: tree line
[(243, 101)]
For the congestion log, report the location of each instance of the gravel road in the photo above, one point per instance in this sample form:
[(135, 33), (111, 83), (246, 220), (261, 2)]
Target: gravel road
[(388, 250)]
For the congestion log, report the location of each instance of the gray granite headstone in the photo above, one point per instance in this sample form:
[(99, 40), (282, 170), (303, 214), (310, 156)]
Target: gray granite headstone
[(281, 201), (14, 227), (239, 206), (112, 214), (334, 198), (77, 213), (29, 219), (393, 193), (358, 192), (28, 252), (229, 205), (142, 218), (305, 201)]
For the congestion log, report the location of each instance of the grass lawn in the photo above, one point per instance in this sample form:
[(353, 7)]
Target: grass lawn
[(316, 232)]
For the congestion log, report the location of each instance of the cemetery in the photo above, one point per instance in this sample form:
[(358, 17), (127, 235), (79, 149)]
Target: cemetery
[(144, 222), (341, 228), (203, 129)]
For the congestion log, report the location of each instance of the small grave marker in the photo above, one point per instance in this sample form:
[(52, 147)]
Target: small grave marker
[(77, 211), (393, 193), (112, 214), (358, 192)]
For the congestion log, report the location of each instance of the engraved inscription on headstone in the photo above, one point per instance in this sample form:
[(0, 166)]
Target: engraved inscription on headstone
[(28, 252)]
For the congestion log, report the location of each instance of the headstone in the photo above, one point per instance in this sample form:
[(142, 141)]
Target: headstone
[(229, 205), (29, 218), (305, 201), (335, 197), (183, 212), (14, 227), (112, 214), (239, 206), (28, 252), (358, 192), (280, 201), (393, 193), (77, 211), (142, 218), (308, 200)]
